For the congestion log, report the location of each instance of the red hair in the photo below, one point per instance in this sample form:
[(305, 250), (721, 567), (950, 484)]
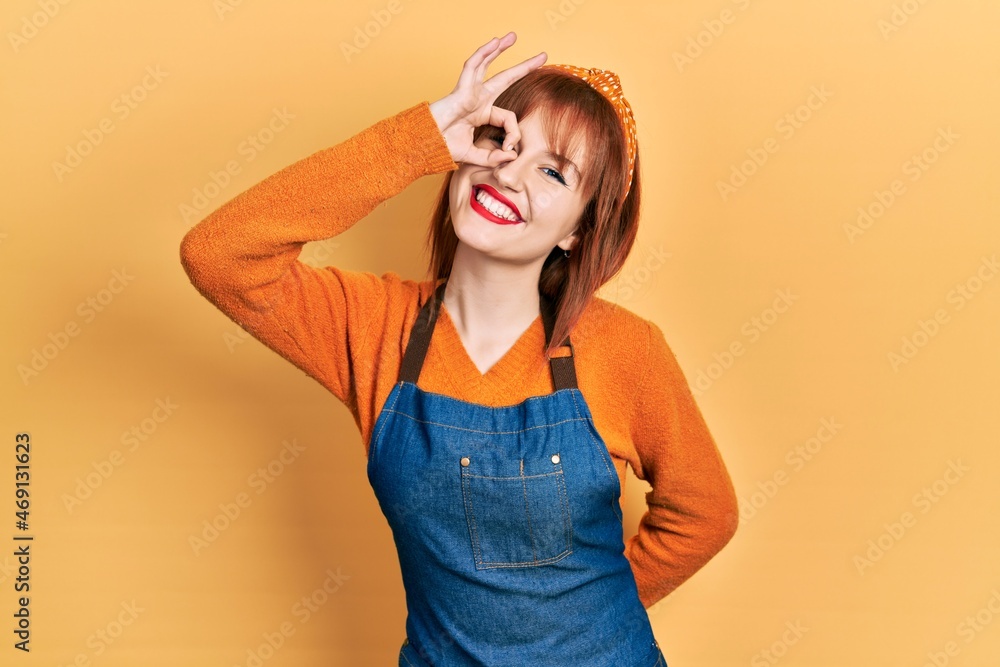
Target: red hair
[(608, 226)]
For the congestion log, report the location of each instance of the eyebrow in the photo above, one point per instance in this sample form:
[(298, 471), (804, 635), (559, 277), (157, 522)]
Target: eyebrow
[(562, 160)]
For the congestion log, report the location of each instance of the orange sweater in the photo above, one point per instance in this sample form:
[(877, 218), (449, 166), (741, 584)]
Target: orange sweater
[(348, 331)]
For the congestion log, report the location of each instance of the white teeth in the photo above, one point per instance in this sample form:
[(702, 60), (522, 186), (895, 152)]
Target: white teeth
[(495, 207)]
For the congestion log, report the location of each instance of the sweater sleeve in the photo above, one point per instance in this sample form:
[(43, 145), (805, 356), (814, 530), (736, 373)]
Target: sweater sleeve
[(243, 257), (692, 508)]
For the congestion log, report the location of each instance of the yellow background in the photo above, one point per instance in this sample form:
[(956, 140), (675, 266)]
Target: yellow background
[(710, 82)]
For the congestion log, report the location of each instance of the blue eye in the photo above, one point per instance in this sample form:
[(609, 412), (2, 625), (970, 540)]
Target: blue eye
[(557, 175), (498, 138)]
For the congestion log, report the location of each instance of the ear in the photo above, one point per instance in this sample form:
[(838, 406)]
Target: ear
[(569, 242)]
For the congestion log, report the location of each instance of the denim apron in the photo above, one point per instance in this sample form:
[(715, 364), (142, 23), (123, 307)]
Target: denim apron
[(507, 524)]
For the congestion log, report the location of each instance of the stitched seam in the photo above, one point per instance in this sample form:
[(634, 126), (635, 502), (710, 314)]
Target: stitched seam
[(592, 438), (527, 514), (388, 410), (527, 563), (601, 449), (478, 406), (544, 474), (470, 518), (472, 430), (568, 520), (471, 522)]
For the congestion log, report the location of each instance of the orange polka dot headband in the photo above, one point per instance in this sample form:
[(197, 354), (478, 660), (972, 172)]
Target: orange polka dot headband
[(606, 82)]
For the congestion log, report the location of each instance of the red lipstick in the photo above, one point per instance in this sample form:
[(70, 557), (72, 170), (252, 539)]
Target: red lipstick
[(483, 211)]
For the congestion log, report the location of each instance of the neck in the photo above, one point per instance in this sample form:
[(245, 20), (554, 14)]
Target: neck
[(487, 298)]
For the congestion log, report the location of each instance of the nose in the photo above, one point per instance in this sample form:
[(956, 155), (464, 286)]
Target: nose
[(509, 173)]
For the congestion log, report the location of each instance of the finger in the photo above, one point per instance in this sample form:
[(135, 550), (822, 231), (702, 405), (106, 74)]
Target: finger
[(471, 66), (505, 43), (500, 81), (487, 157), (467, 77), (506, 119), (479, 72)]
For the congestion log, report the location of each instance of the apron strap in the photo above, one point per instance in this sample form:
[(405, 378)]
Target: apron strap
[(563, 369), (420, 339)]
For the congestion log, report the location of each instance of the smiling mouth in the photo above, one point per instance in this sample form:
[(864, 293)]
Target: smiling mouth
[(491, 209)]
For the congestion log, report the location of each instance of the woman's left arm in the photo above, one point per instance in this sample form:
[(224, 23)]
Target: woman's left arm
[(692, 508)]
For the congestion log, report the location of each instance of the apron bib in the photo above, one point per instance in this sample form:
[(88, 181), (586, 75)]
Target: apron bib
[(507, 524)]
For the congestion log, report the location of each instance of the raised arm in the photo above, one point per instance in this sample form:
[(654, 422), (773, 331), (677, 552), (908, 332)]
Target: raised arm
[(244, 256)]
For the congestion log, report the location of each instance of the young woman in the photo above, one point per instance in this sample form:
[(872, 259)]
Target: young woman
[(496, 445)]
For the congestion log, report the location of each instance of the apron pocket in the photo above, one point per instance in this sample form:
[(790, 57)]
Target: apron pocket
[(517, 521)]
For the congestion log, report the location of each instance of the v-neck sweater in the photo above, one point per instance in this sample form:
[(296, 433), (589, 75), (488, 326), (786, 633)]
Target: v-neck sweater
[(348, 331)]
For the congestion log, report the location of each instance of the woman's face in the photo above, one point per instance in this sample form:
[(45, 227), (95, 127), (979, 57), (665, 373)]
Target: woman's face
[(536, 206)]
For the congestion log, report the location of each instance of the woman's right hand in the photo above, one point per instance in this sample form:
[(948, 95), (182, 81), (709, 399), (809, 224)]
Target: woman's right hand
[(470, 105)]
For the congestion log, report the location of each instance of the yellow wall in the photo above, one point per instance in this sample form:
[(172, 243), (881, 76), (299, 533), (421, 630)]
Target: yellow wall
[(868, 480)]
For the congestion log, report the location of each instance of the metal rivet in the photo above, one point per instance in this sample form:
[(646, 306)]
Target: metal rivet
[(465, 460), (555, 458)]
